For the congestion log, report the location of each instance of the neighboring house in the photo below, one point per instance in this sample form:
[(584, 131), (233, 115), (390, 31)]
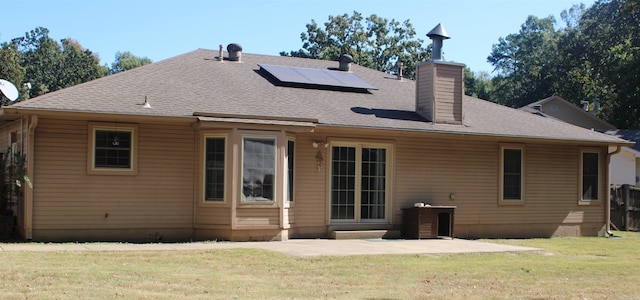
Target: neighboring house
[(233, 146), (625, 166), (563, 110)]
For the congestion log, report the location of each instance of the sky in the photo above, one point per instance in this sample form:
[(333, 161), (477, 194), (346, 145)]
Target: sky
[(160, 29)]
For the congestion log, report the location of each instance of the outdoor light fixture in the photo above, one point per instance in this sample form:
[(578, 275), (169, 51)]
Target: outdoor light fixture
[(317, 144), (319, 160), (319, 157)]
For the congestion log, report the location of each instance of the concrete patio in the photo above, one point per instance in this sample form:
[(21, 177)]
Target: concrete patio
[(294, 247)]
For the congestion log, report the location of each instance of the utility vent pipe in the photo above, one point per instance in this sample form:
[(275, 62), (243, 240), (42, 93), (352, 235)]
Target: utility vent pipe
[(235, 52), (400, 65), (345, 62), (437, 34)]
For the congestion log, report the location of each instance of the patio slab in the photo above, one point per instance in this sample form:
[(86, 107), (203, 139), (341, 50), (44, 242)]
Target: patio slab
[(293, 247)]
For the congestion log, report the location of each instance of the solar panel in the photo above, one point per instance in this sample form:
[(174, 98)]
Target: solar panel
[(318, 77)]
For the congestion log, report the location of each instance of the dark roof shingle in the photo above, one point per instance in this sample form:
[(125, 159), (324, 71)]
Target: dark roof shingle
[(198, 82)]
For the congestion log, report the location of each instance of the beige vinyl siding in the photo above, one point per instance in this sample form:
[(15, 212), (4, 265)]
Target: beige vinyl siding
[(429, 172), (439, 91), (448, 94), (213, 215), (160, 196), (257, 217), (310, 192), (424, 93), (432, 168)]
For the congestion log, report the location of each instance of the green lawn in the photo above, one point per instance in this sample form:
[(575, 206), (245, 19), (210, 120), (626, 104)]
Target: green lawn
[(568, 268)]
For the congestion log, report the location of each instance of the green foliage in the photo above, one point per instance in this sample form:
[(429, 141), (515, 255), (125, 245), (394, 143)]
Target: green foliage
[(13, 173), (10, 68), (51, 66), (522, 61), (373, 42), (38, 61), (595, 56), (612, 44), (127, 61), (478, 85)]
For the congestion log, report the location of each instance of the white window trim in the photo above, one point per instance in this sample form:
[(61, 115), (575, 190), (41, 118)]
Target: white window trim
[(358, 181), (276, 176), (203, 195), (91, 151), (501, 199), (582, 201)]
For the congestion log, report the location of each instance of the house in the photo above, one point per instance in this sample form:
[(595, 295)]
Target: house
[(217, 144), (625, 166)]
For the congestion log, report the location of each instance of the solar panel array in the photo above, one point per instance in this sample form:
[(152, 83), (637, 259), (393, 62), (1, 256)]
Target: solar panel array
[(317, 77)]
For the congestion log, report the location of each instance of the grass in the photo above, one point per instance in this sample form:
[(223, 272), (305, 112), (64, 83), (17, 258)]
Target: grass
[(568, 268)]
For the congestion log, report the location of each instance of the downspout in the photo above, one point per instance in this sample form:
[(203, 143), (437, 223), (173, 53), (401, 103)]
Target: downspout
[(28, 195), (607, 213)]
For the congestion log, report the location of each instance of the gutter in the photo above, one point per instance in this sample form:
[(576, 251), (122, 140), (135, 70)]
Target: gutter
[(607, 212)]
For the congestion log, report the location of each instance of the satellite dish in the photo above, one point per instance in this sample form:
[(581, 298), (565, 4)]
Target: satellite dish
[(8, 90)]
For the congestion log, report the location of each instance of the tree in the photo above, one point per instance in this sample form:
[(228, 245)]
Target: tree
[(478, 85), (127, 61), (373, 42), (609, 31), (525, 63), (10, 68), (41, 56), (78, 64), (594, 57), (51, 66)]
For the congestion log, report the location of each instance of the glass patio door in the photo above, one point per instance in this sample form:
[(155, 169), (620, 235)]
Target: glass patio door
[(358, 184)]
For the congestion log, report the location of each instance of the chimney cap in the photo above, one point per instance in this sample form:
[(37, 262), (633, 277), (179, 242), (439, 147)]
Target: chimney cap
[(438, 31)]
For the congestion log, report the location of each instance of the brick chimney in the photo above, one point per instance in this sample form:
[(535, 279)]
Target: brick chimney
[(440, 85)]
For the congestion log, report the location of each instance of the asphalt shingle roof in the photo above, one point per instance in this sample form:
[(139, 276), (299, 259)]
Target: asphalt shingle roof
[(198, 82)]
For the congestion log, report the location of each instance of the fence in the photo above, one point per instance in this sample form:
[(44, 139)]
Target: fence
[(625, 207)]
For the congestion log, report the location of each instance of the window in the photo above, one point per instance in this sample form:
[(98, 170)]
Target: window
[(359, 185), (214, 177), (290, 169), (258, 169), (112, 149), (590, 177), (511, 174)]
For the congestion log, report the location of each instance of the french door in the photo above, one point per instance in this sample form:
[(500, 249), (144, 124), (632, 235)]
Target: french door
[(359, 183)]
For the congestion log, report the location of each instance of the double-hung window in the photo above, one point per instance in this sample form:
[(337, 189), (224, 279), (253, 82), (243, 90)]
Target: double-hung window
[(112, 149), (511, 174), (589, 175)]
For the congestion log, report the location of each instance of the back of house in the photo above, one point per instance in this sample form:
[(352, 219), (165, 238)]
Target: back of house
[(234, 146)]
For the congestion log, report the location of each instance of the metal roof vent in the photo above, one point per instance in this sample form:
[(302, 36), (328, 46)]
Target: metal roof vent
[(235, 52), (437, 34), (345, 62)]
